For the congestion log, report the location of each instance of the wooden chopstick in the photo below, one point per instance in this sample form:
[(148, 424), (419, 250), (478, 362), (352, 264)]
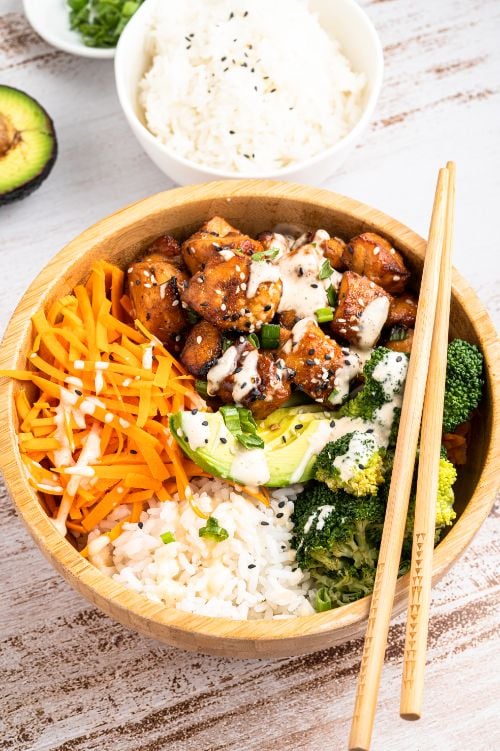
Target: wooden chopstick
[(404, 461), (427, 484)]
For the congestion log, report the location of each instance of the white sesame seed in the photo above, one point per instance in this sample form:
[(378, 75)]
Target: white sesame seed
[(130, 269), (372, 285), (238, 268), (219, 292), (340, 320), (200, 280), (343, 331), (146, 273), (175, 302), (223, 306), (199, 339), (242, 276), (354, 328), (393, 252), (361, 302), (148, 286), (376, 250), (243, 286), (396, 278)]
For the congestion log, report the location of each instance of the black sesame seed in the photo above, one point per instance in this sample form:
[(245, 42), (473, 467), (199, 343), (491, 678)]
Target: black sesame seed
[(133, 451), (251, 565), (311, 351), (332, 423), (278, 516), (148, 316), (265, 524), (225, 70), (300, 272), (238, 370), (281, 504), (245, 14), (187, 39), (267, 307), (77, 391), (205, 423), (243, 385), (137, 281), (232, 132), (361, 466), (223, 59), (314, 286), (283, 438), (234, 317), (247, 156), (222, 439), (201, 278), (203, 304), (252, 70), (328, 357), (347, 361), (369, 430), (194, 411), (272, 91), (299, 426), (309, 362), (398, 359), (206, 440), (140, 525), (231, 15)]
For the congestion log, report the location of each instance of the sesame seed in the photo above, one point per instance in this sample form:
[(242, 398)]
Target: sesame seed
[(369, 430), (372, 285), (205, 423), (398, 359), (281, 504), (267, 307), (299, 426), (242, 276), (354, 328), (309, 362), (243, 286), (376, 250), (311, 351), (199, 339), (328, 357), (279, 515), (392, 251), (314, 286), (251, 565), (396, 278), (361, 302), (140, 525), (223, 306), (223, 440), (332, 423), (265, 524), (201, 279), (175, 302), (283, 438), (232, 132), (137, 281), (194, 411), (77, 391)]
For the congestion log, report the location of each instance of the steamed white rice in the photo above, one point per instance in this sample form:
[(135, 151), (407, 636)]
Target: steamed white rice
[(247, 87), (250, 575)]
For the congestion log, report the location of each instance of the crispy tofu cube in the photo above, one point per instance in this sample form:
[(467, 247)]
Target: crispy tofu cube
[(361, 310), (373, 256)]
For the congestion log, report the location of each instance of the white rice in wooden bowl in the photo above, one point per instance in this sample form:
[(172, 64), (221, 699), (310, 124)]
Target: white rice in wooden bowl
[(250, 575), (249, 87)]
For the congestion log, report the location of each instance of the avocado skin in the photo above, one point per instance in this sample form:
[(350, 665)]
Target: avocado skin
[(31, 185)]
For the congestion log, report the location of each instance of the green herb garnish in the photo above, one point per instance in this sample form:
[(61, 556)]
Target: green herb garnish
[(100, 22), (326, 269), (266, 255), (331, 295), (240, 423), (192, 316), (167, 537), (213, 530), (201, 387), (226, 343)]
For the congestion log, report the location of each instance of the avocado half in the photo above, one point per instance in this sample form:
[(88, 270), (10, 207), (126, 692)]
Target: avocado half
[(28, 144)]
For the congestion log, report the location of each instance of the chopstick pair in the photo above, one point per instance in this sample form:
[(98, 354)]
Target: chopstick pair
[(421, 413)]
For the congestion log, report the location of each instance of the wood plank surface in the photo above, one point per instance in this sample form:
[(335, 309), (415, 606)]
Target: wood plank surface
[(73, 680)]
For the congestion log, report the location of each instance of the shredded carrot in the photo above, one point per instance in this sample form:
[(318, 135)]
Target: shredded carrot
[(96, 435)]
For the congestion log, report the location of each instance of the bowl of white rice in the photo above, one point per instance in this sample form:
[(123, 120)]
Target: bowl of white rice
[(229, 88)]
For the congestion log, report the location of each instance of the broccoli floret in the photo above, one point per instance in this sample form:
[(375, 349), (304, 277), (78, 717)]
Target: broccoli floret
[(374, 393), (464, 383), (353, 463), (337, 538)]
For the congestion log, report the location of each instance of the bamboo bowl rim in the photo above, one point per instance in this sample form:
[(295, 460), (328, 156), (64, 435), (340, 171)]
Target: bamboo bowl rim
[(121, 602)]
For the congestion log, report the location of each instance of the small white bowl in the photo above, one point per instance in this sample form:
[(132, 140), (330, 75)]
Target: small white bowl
[(344, 19), (50, 19)]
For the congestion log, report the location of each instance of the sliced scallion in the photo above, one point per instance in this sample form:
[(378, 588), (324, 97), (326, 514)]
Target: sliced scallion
[(201, 387), (270, 335), (231, 416), (324, 315), (331, 295), (326, 269), (167, 537), (398, 334), (254, 339)]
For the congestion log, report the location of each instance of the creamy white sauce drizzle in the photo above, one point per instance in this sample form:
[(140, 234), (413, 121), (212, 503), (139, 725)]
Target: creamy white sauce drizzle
[(224, 367), (279, 242), (63, 456), (260, 273), (250, 467), (343, 377), (391, 373), (360, 449), (197, 434), (248, 377), (303, 290), (371, 321), (147, 357)]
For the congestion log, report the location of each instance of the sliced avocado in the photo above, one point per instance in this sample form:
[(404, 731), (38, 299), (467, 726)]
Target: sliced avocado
[(28, 144), (292, 439)]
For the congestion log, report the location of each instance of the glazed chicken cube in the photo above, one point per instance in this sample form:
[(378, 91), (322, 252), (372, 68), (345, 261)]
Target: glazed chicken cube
[(234, 293), (373, 256), (313, 360), (402, 311), (202, 349), (153, 287), (333, 250), (361, 311), (167, 246), (251, 379), (213, 237)]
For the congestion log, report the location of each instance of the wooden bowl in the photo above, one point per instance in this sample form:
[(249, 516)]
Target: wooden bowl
[(251, 206)]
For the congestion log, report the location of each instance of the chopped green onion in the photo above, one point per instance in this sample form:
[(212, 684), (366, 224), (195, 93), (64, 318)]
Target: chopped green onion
[(254, 339), (323, 600), (100, 22), (250, 441), (213, 530), (231, 416), (201, 387), (398, 334), (331, 295), (192, 316), (266, 255), (332, 395), (324, 315), (226, 343), (326, 269), (270, 335), (248, 424), (167, 537)]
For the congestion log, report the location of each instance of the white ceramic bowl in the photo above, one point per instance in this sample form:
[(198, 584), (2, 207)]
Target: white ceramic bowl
[(344, 19), (50, 19)]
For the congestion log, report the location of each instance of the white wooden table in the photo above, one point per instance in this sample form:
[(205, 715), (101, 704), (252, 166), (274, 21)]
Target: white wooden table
[(73, 680)]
